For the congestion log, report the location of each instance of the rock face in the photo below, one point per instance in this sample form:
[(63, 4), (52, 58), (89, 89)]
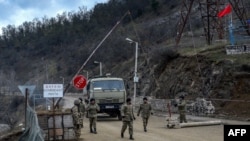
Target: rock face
[(225, 83)]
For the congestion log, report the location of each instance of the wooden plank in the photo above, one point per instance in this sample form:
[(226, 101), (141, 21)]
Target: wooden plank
[(67, 121), (43, 122), (58, 132)]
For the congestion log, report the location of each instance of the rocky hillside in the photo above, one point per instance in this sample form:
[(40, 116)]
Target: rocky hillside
[(207, 73), (53, 53)]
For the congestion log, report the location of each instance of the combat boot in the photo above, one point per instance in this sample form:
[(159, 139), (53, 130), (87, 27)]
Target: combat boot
[(145, 129), (91, 131), (122, 135), (131, 137), (95, 132)]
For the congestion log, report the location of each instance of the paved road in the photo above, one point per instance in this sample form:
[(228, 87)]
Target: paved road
[(109, 129)]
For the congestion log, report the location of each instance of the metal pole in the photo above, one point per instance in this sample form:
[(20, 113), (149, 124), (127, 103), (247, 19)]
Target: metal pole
[(26, 103), (34, 101), (87, 75), (100, 68), (46, 103), (83, 65), (135, 77), (201, 123), (54, 121), (135, 72), (134, 92)]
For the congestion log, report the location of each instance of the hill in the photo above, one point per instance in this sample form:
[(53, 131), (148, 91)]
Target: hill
[(48, 51)]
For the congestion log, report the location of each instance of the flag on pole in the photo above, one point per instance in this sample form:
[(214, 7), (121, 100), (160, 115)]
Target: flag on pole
[(225, 11)]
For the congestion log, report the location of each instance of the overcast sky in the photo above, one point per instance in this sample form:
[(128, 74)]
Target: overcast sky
[(15, 12)]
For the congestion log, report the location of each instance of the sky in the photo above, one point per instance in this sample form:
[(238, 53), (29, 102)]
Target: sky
[(15, 12)]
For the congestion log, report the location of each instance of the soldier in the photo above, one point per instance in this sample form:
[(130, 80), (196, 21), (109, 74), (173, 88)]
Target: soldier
[(127, 118), (92, 109), (76, 119), (182, 109), (82, 111), (145, 110)]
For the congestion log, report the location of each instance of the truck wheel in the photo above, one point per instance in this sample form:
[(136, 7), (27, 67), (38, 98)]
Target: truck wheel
[(112, 115)]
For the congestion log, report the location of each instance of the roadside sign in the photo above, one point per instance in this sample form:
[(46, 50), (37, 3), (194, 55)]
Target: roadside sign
[(79, 82), (52, 90), (30, 88)]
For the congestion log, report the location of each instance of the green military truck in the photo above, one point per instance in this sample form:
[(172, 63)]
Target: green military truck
[(109, 93)]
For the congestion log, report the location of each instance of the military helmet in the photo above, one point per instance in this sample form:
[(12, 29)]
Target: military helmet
[(80, 98), (76, 102), (181, 96), (92, 99), (128, 99)]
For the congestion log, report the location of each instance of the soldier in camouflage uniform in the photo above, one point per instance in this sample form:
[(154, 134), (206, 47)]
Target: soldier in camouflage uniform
[(82, 111), (182, 109), (145, 109), (76, 117), (92, 110), (127, 118)]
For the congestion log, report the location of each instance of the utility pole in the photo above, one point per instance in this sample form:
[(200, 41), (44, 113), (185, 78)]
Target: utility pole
[(136, 79)]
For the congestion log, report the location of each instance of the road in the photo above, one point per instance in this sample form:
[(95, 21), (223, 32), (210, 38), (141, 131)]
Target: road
[(109, 129)]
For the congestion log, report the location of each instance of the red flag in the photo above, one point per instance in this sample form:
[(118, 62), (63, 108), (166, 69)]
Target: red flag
[(225, 11)]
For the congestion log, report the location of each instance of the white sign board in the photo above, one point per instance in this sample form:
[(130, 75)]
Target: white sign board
[(52, 90), (237, 49)]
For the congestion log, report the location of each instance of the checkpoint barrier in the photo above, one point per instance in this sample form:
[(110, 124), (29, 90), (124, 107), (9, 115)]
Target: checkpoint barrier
[(57, 125)]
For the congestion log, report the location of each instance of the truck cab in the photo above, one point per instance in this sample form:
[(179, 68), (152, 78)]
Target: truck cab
[(109, 94)]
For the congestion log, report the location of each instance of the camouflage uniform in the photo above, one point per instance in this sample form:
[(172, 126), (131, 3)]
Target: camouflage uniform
[(182, 110), (82, 111), (127, 118), (145, 110), (92, 109), (76, 117)]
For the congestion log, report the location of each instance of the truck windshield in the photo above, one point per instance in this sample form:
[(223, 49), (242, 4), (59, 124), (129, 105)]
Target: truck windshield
[(108, 85)]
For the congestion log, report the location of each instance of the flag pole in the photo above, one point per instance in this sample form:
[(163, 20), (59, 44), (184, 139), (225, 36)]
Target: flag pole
[(231, 16), (232, 41)]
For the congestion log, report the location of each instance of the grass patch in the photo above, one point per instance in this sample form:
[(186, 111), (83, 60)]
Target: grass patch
[(237, 58), (187, 51), (216, 53)]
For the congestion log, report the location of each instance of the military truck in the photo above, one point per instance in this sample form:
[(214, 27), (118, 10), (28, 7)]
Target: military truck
[(109, 93)]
